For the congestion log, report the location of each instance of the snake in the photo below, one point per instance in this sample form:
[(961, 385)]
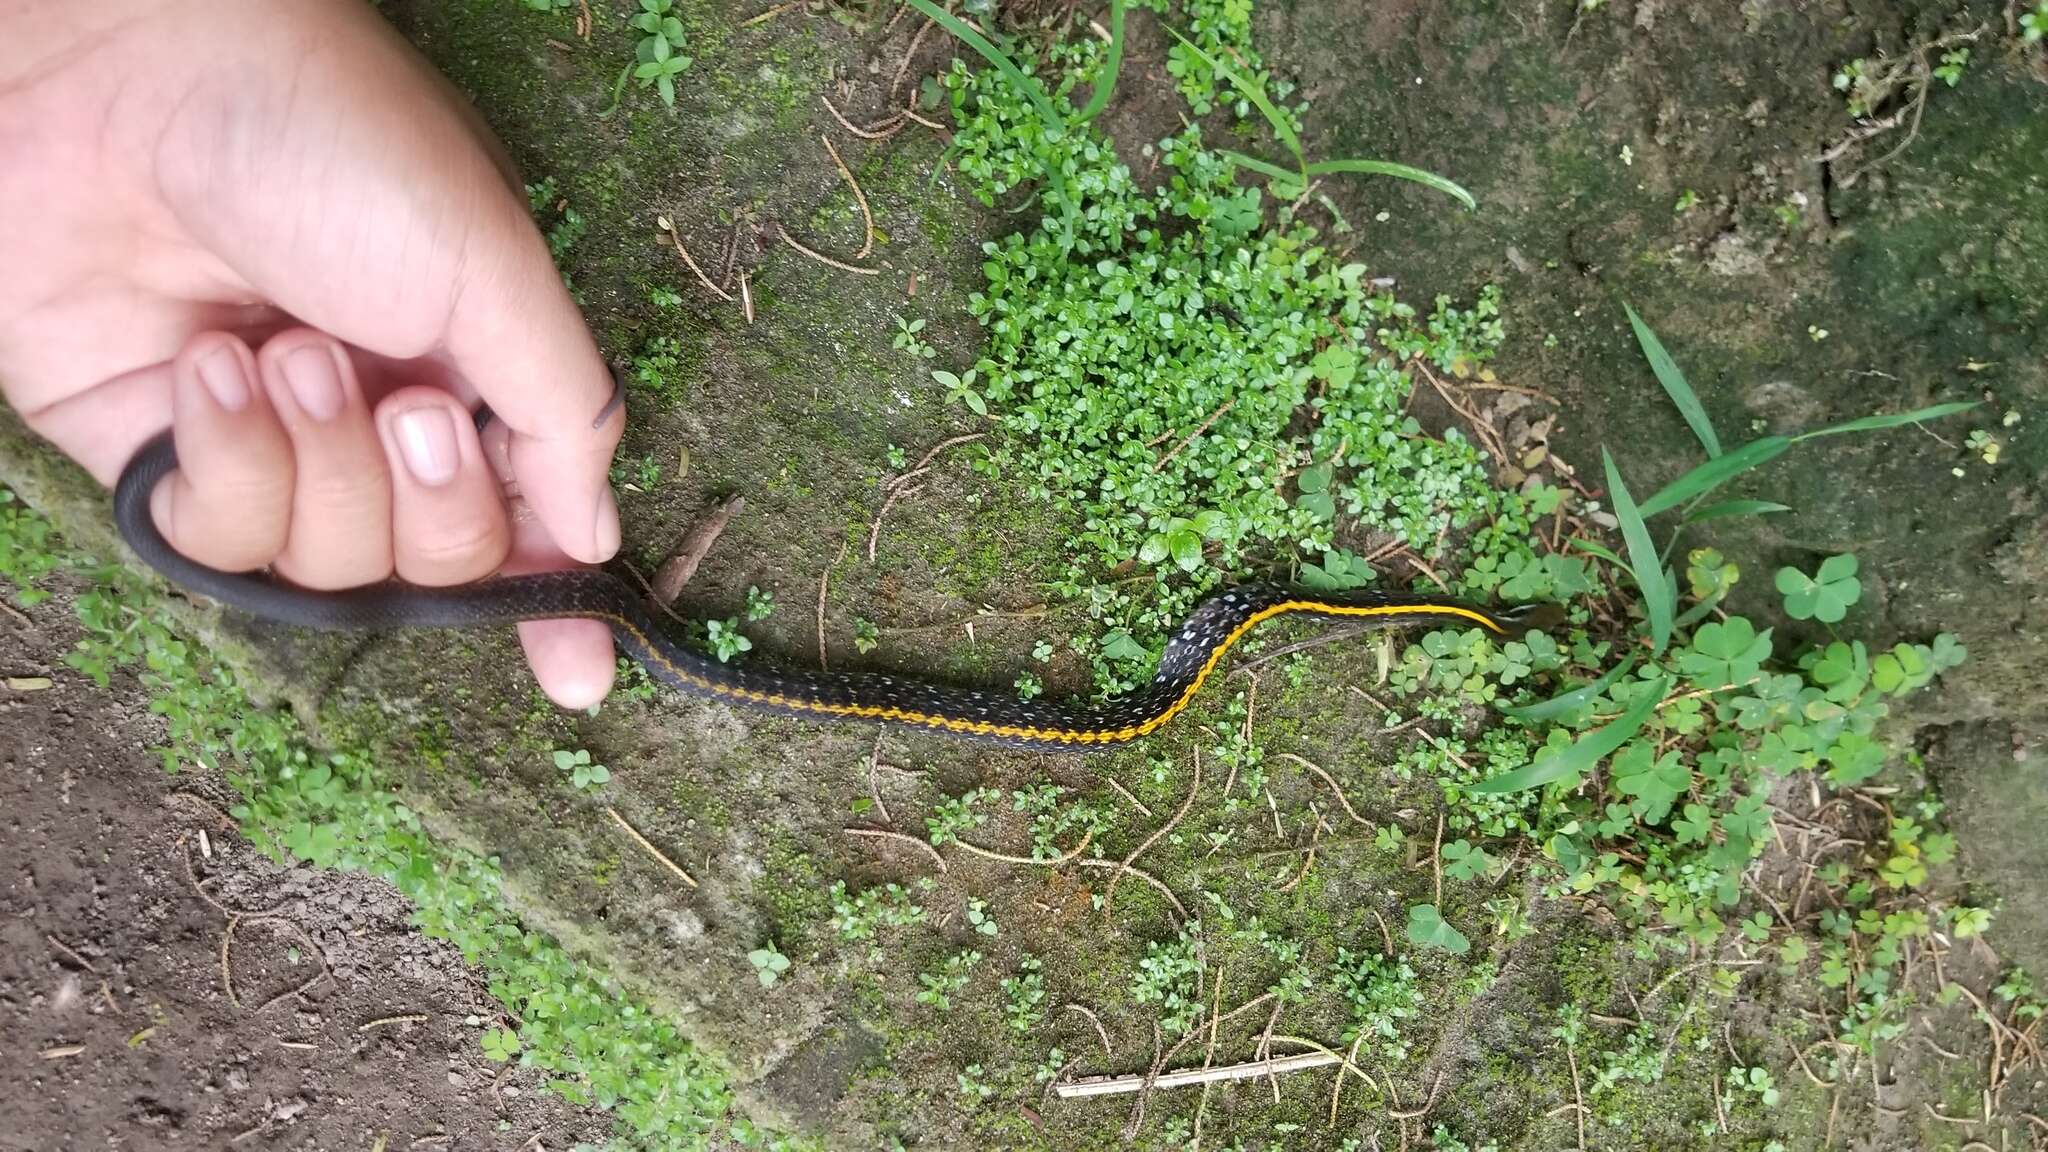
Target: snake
[(1191, 656)]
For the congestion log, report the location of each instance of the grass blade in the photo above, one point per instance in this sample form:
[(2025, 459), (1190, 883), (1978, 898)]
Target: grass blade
[(1400, 171), (1873, 423), (1716, 472), (1263, 167), (1658, 598), (1585, 752), (1595, 548), (1728, 508), (1567, 702), (1673, 380), (968, 35), (1254, 92), (1106, 83)]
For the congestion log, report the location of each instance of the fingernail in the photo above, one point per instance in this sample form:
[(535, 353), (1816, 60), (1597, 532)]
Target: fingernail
[(222, 373), (426, 438), (607, 525), (315, 381)]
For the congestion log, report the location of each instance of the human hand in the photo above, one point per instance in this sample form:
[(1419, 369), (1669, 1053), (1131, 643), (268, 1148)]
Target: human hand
[(274, 229)]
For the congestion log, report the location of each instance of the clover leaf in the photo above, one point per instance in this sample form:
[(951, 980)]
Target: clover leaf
[(1726, 653), (1568, 852), (1652, 782), (1854, 759), (1696, 826), (1340, 571), (1824, 596), (1464, 861), (500, 1045), (1426, 926), (1947, 652), (1902, 669), (1315, 498)]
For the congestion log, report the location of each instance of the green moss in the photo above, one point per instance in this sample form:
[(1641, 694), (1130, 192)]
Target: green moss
[(793, 891)]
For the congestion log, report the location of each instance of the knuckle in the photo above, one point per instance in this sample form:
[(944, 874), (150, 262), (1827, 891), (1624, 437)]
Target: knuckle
[(455, 551)]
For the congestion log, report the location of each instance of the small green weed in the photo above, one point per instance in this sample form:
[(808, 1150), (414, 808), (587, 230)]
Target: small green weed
[(658, 370), (1054, 819), (1381, 994), (636, 476), (907, 340), (1953, 62), (2034, 23), (953, 815), (971, 1085), (866, 637), (726, 639), (1170, 975), (769, 964), (861, 919), (1024, 997), (659, 57), (980, 919), (584, 773), (937, 989), (500, 1045)]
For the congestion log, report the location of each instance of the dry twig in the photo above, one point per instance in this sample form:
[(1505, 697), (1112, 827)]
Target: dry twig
[(404, 1018), (1006, 858), (886, 834), (643, 842), (675, 237), (900, 486), (1121, 1085), (880, 130), (1327, 779), (681, 564), (1099, 1029), (824, 584), (1194, 787), (75, 958), (1123, 867), (867, 217), (821, 258), (1201, 428)]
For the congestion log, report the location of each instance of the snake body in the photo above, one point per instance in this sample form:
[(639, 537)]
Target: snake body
[(1191, 656)]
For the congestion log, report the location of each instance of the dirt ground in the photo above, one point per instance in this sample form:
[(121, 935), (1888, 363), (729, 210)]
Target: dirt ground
[(344, 1028)]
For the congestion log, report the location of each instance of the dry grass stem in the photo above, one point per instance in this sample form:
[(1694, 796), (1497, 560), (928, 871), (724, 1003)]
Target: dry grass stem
[(1194, 788), (821, 258), (901, 838), (675, 237), (880, 130), (867, 217), (648, 846)]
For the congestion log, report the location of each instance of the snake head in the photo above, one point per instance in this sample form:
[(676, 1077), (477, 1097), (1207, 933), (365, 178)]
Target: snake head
[(1539, 617)]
